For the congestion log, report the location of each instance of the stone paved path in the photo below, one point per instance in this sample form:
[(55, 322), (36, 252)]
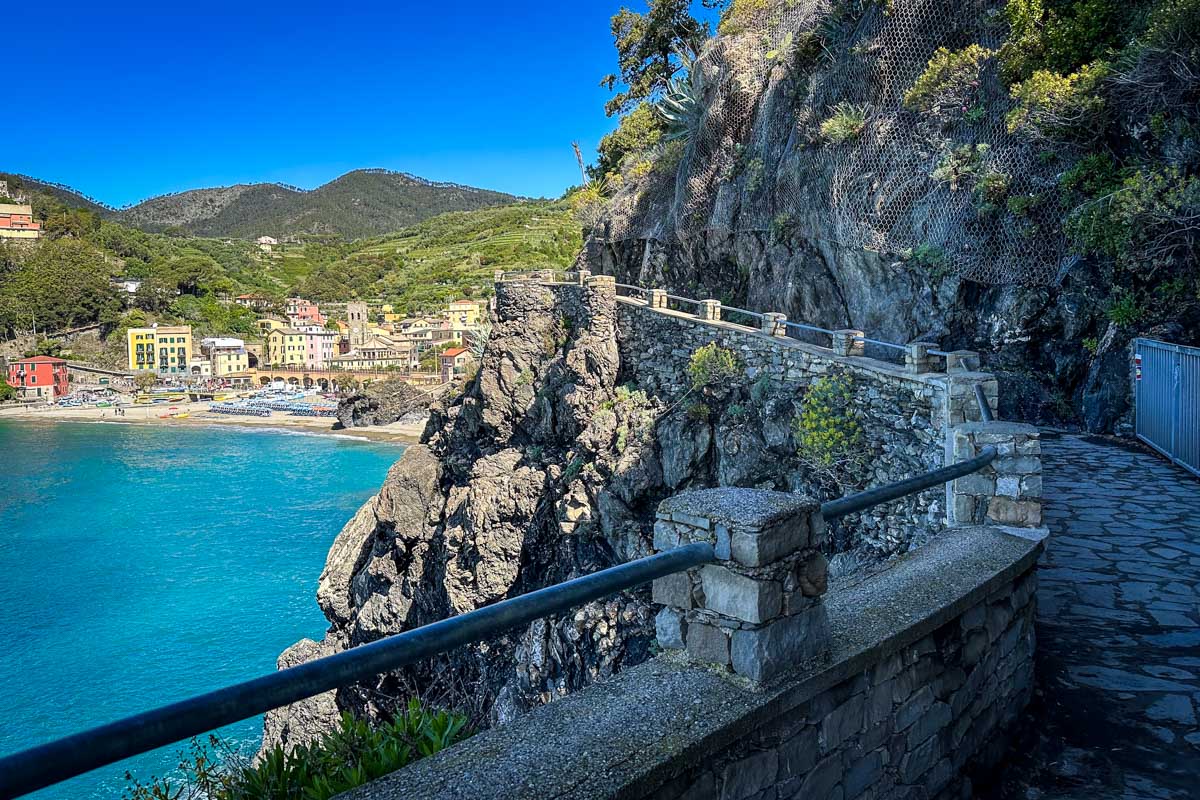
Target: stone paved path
[(1118, 630)]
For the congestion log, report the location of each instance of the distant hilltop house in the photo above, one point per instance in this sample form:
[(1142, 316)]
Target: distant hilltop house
[(254, 301), (127, 286), (16, 222), (39, 378), (266, 243)]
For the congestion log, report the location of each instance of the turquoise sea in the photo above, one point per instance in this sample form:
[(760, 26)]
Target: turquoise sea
[(143, 564)]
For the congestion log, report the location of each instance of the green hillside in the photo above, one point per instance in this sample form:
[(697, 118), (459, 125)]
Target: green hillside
[(362, 203), (63, 280)]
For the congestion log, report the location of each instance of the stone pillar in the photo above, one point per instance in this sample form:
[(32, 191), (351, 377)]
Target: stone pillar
[(962, 405), (605, 284), (657, 298), (962, 361), (917, 358), (757, 609), (848, 343), (584, 274), (773, 324), (1009, 490), (710, 310), (499, 276)]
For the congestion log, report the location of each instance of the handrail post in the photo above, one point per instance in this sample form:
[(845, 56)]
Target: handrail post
[(710, 310), (848, 342), (774, 324), (758, 609), (657, 298), (917, 358)]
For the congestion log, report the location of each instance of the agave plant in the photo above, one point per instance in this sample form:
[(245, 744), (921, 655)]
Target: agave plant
[(681, 104)]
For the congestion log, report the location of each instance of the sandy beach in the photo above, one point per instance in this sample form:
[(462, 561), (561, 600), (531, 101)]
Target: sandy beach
[(198, 414)]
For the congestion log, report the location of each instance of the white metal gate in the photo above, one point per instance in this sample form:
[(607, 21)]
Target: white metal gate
[(1167, 397)]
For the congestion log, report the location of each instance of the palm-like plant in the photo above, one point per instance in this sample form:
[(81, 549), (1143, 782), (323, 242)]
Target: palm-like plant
[(681, 105)]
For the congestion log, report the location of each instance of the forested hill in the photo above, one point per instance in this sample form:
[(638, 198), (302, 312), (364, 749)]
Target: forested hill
[(47, 196), (358, 204)]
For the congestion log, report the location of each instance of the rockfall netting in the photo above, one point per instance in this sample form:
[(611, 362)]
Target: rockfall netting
[(925, 168)]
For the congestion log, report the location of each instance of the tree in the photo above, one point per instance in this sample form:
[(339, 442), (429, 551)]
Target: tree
[(638, 131), (646, 44), (61, 284), (144, 381)]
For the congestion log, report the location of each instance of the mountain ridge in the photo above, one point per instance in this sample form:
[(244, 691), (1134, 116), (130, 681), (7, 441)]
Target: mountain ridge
[(358, 204)]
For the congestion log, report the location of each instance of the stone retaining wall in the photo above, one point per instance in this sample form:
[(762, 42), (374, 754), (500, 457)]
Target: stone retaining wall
[(928, 663)]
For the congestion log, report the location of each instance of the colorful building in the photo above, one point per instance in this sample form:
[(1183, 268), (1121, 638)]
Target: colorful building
[(300, 311), (226, 355), (301, 349), (454, 362), (16, 222), (165, 349), (39, 378), (463, 315)]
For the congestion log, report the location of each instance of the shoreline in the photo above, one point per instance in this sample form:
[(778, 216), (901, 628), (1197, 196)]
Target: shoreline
[(199, 415)]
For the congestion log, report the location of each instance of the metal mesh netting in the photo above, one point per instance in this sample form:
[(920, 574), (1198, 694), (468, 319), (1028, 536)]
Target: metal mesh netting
[(950, 183)]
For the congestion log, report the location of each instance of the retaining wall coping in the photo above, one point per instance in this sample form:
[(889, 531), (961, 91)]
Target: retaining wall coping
[(749, 509), (997, 428), (628, 735), (895, 371)]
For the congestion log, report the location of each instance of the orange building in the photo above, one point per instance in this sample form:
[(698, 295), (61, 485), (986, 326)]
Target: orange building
[(40, 377), (16, 222)]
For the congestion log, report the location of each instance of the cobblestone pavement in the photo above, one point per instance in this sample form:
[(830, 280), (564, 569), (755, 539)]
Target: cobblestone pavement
[(1118, 629)]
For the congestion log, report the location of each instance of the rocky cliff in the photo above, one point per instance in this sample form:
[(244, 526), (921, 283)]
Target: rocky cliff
[(503, 496), (582, 419), (891, 166), (385, 402)]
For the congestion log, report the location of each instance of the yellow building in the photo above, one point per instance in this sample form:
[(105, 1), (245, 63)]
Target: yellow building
[(287, 347), (227, 362), (463, 315), (165, 349), (266, 325)]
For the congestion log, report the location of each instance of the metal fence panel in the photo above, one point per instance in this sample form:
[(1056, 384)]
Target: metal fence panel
[(1167, 397)]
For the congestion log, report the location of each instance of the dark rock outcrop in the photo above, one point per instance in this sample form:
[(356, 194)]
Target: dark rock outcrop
[(383, 403)]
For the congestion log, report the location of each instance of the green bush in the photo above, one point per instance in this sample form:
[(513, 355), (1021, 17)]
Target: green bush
[(712, 365), (1124, 309), (1063, 35), (991, 191), (1092, 345), (1051, 107), (354, 753), (950, 82), (960, 166), (827, 433), (846, 124), (1145, 225)]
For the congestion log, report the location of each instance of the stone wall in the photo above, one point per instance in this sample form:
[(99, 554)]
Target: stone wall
[(929, 661), (905, 415)]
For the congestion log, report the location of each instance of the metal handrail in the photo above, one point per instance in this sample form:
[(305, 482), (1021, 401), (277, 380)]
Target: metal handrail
[(800, 326), (900, 347), (836, 509), (985, 408), (38, 767), (742, 311), (679, 299)]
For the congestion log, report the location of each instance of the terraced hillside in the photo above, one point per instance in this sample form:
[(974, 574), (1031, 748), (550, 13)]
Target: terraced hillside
[(426, 264)]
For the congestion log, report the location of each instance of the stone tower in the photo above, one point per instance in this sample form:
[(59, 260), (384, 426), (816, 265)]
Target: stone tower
[(357, 313)]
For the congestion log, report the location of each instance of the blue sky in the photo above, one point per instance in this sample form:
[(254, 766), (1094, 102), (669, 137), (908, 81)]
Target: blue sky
[(129, 100)]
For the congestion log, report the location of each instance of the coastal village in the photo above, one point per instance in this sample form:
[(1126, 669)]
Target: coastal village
[(308, 358)]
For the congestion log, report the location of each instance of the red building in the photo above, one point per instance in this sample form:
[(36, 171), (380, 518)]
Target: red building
[(40, 377)]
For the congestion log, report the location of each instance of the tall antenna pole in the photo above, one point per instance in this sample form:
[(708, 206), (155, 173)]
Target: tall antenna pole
[(579, 158)]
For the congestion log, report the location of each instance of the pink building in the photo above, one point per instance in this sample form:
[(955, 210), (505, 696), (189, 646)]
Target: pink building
[(301, 311), (320, 348)]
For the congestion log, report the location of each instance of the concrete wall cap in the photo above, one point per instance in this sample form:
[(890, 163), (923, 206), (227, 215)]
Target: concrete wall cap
[(1003, 428), (747, 509)]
